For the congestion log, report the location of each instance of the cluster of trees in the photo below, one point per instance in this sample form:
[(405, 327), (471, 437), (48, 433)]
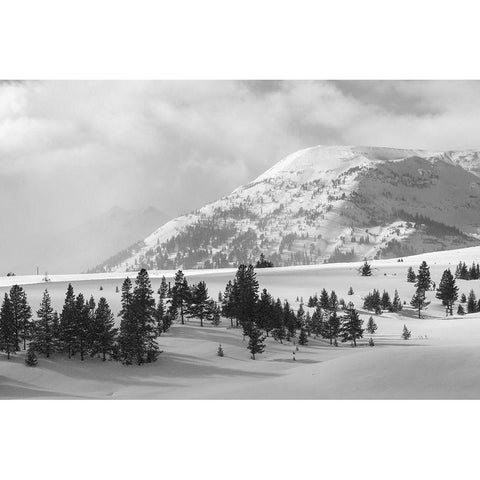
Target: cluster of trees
[(467, 273), (263, 262), (472, 305), (376, 302)]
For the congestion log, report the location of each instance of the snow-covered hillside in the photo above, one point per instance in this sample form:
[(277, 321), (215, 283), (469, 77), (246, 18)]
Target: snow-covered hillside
[(326, 204)]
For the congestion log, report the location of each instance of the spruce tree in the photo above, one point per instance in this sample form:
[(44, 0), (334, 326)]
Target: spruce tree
[(245, 297), (43, 339), (278, 326), (31, 359), (127, 339), (228, 302), (447, 291), (351, 327), (22, 315), (256, 341), (463, 298), (333, 326), (104, 332), (324, 300), (265, 312), (419, 302), (200, 305), (397, 303), (67, 322), (411, 277), (366, 270), (460, 310), (423, 278), (386, 303), (8, 330), (180, 295), (163, 290), (82, 327), (317, 322), (371, 326), (302, 337), (471, 302), (406, 333)]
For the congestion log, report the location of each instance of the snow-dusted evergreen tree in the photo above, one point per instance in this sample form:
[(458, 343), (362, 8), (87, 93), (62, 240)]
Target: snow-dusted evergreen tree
[(406, 334), (256, 340), (265, 312), (419, 301), (43, 338), (447, 291), (366, 270), (289, 320), (463, 298), (82, 327), (245, 297), (228, 303), (371, 326), (460, 310), (104, 331), (386, 303), (22, 314), (317, 322), (333, 302), (351, 327), (411, 277), (472, 302), (423, 277), (8, 330), (333, 325), (324, 300), (127, 335)]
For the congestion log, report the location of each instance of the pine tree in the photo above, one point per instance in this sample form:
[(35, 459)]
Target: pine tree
[(82, 327), (228, 302), (350, 291), (333, 326), (397, 303), (31, 359), (200, 306), (463, 298), (471, 302), (180, 295), (22, 314), (460, 310), (406, 333), (8, 330), (256, 339), (366, 270), (447, 291), (386, 304), (324, 300), (43, 339), (104, 331), (245, 297), (163, 290), (317, 322), (411, 277), (278, 331), (128, 330), (423, 278), (333, 302), (67, 322), (302, 337), (289, 320), (351, 327), (215, 315), (371, 326), (265, 312), (419, 302)]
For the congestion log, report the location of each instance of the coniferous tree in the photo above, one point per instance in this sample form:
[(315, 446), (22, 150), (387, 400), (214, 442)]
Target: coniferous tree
[(82, 327), (128, 332), (228, 303), (447, 291), (160, 315), (104, 331), (300, 316), (324, 300), (386, 303), (279, 333), (43, 339), (289, 320), (366, 270), (200, 305), (463, 298), (245, 297), (333, 326), (256, 340), (460, 310), (308, 323), (397, 303), (371, 326), (302, 337), (163, 290), (423, 278), (419, 301), (351, 327), (350, 291), (406, 333), (265, 312), (317, 322), (411, 277), (31, 359), (180, 295), (67, 322), (471, 302), (22, 315), (8, 330)]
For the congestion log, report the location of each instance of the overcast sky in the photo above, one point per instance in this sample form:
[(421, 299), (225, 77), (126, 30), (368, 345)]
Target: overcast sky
[(70, 150)]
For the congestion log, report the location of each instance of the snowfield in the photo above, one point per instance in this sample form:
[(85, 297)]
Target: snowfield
[(441, 360)]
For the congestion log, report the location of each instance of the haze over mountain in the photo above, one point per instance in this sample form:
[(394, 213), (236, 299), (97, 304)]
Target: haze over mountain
[(78, 248), (326, 204)]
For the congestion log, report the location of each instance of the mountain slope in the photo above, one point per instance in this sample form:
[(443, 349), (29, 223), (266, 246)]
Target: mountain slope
[(325, 204)]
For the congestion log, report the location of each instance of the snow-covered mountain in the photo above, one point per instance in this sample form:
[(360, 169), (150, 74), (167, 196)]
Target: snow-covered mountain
[(324, 204)]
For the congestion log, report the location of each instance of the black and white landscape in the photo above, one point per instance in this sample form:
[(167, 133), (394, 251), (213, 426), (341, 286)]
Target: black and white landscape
[(304, 268)]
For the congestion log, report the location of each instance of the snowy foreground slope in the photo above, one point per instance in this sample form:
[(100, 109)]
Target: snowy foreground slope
[(326, 204), (441, 360)]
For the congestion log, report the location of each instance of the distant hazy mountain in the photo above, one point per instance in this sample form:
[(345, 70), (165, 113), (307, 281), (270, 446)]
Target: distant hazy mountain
[(325, 204), (80, 248)]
